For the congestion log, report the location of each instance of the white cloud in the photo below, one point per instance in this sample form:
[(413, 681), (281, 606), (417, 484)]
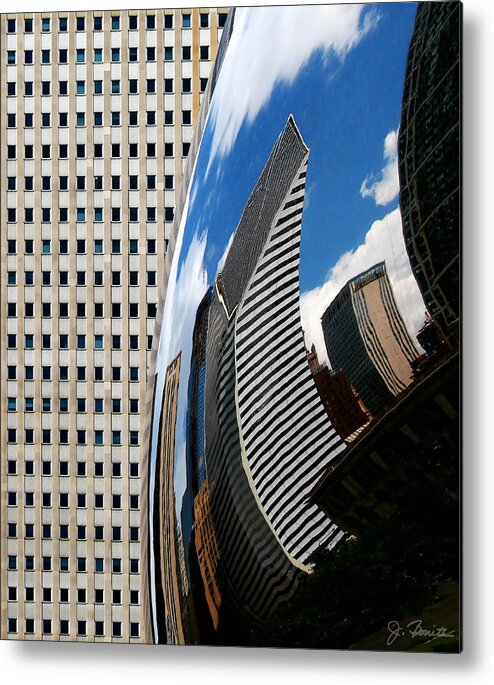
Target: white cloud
[(383, 242), (270, 45), (385, 188)]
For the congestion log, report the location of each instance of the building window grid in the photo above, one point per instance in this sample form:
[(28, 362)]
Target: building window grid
[(81, 89)]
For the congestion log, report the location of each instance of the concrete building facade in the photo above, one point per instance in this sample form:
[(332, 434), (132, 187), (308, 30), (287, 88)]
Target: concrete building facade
[(96, 118)]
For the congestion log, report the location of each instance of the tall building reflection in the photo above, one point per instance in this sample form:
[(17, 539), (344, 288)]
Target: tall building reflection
[(258, 434), (428, 151), (169, 591), (366, 337)]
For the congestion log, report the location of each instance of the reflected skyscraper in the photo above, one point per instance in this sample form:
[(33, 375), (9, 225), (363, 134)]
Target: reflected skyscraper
[(429, 149), (366, 337), (168, 590), (267, 436)]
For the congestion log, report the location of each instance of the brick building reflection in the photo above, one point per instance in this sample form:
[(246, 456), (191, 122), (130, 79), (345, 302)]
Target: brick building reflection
[(345, 409)]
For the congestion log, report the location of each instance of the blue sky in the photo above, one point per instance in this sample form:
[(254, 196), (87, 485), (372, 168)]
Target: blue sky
[(344, 109)]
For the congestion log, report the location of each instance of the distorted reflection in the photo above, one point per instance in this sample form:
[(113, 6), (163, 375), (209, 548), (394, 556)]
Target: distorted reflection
[(308, 354)]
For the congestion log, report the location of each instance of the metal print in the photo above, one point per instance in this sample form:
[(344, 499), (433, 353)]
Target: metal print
[(231, 326)]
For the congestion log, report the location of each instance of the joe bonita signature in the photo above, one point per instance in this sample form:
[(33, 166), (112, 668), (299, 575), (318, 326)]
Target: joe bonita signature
[(415, 629)]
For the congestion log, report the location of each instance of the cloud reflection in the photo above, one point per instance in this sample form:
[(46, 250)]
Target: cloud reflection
[(385, 188), (383, 242), (259, 58)]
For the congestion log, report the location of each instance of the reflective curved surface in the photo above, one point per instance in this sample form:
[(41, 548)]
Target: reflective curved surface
[(308, 354)]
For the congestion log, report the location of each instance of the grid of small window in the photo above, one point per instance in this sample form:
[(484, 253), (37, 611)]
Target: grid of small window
[(66, 215)]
